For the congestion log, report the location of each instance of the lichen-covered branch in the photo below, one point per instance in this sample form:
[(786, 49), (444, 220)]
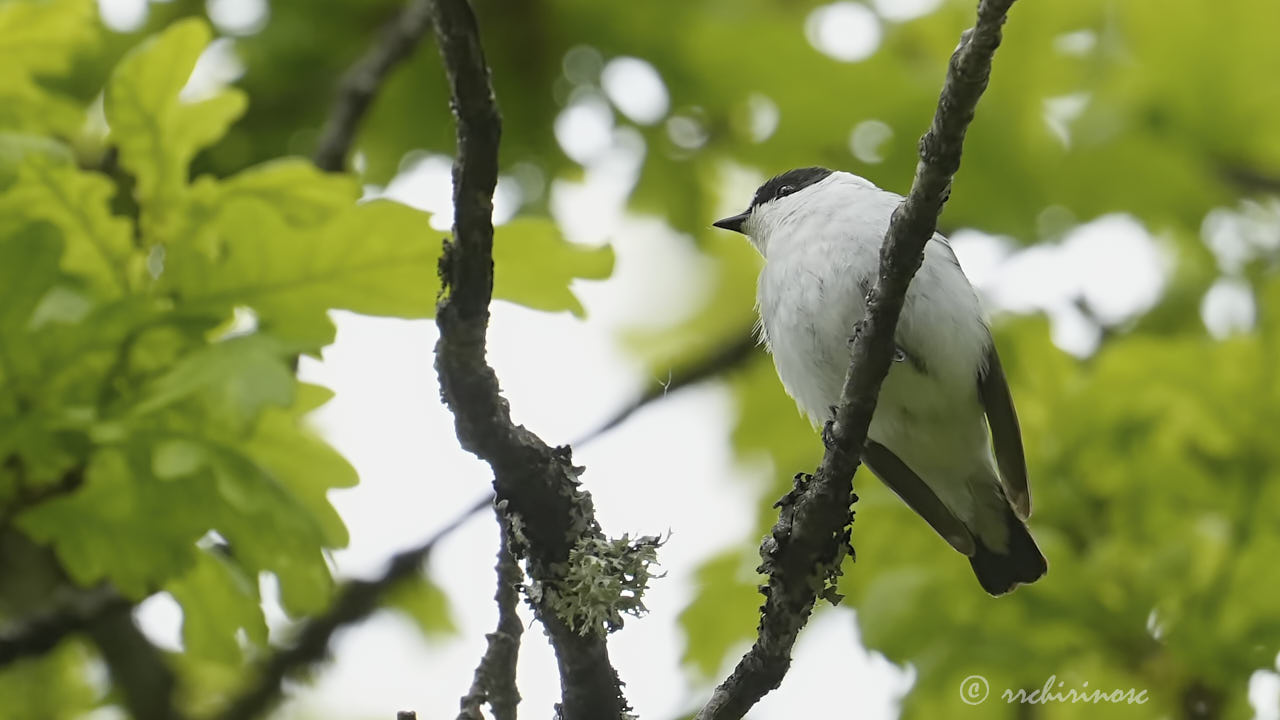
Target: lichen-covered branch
[(802, 555), (495, 678), (360, 84), (539, 484)]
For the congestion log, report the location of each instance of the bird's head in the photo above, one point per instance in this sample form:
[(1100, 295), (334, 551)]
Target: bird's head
[(781, 197)]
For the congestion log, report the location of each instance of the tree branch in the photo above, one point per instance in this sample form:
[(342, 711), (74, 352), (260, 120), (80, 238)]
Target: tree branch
[(808, 542), (42, 633), (35, 579), (1249, 179), (495, 678), (28, 498), (361, 82), (138, 668), (539, 484), (356, 600)]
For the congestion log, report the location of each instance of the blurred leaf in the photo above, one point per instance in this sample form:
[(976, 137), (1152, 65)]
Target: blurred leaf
[(302, 194), (15, 148), (302, 462), (534, 265), (236, 379), (423, 602), (724, 612), (377, 258), (157, 132), (218, 601), (28, 267), (99, 246), (25, 686), (39, 39), (140, 556)]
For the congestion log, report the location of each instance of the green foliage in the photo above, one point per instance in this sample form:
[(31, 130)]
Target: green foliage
[(25, 686), (723, 614), (40, 39), (533, 266), (153, 431), (218, 600), (156, 131), (98, 244)]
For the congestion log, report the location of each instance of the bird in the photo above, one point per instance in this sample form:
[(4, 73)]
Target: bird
[(945, 436)]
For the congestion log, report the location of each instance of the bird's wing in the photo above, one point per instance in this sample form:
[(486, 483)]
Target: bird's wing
[(903, 481), (993, 391)]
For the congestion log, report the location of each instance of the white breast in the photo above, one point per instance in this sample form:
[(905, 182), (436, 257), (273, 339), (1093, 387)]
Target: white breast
[(821, 247)]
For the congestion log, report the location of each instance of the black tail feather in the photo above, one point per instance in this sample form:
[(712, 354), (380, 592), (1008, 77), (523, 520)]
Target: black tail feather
[(1022, 563)]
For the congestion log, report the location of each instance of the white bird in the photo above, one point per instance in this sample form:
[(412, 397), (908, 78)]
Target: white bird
[(820, 233)]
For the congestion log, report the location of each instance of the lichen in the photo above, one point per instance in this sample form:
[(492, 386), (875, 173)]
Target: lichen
[(603, 581)]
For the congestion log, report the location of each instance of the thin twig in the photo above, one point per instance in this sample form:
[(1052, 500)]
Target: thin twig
[(356, 600), (495, 678), (728, 357), (804, 551), (360, 84), (538, 483)]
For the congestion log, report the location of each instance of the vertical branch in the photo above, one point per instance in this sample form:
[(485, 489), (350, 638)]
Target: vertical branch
[(803, 553), (495, 678), (538, 484)]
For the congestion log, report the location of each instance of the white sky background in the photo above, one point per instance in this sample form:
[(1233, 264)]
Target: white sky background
[(669, 468)]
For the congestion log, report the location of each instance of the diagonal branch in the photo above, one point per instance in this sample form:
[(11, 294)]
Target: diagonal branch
[(733, 354), (538, 483), (42, 633), (495, 678), (804, 551), (27, 497), (360, 84), (138, 668), (356, 600)]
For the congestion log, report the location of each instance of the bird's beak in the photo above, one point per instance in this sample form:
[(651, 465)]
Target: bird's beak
[(733, 223)]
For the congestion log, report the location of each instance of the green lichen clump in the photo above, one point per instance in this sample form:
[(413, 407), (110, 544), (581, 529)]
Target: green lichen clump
[(605, 579)]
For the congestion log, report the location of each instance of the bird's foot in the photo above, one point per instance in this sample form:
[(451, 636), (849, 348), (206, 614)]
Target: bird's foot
[(829, 433)]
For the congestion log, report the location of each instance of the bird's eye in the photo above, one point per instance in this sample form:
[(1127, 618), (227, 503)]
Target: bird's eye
[(786, 190)]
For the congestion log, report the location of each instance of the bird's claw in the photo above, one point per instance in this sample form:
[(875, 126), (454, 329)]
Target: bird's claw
[(828, 434)]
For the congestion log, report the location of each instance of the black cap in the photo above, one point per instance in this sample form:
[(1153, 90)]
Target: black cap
[(778, 186)]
